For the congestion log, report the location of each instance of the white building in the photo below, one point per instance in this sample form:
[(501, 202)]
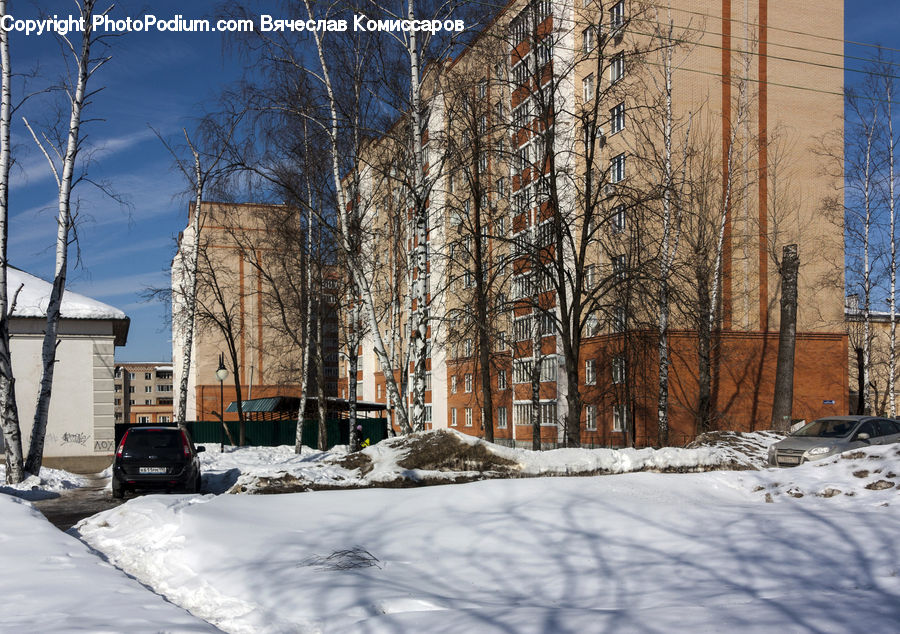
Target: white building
[(80, 430)]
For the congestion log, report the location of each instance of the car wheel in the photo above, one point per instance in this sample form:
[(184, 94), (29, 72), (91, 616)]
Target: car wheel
[(198, 484), (118, 491)]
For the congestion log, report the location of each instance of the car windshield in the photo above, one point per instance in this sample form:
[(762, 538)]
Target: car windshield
[(159, 443), (828, 428)]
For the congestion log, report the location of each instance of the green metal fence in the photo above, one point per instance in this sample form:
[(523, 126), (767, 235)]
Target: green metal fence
[(283, 432)]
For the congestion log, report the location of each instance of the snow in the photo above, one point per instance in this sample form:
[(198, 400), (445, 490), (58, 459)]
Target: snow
[(636, 552), (52, 582), (50, 484), (35, 295)]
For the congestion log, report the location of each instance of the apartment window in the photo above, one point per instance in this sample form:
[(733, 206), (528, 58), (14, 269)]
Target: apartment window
[(143, 419), (118, 373), (618, 369), (148, 401), (590, 276), (482, 89), (617, 118), (548, 413), (131, 375), (468, 417), (468, 382), (620, 417), (618, 264), (118, 388), (453, 385), (501, 187), (118, 401), (428, 413), (148, 389), (451, 184), (587, 86), (617, 15), (502, 419), (163, 388), (428, 380), (590, 417), (617, 68), (131, 389), (467, 347), (618, 219), (378, 391), (501, 380), (453, 417), (165, 419), (590, 372), (619, 319), (131, 401), (617, 168), (148, 376), (588, 40)]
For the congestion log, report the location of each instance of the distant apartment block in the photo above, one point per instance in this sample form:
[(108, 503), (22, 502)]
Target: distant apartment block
[(144, 392)]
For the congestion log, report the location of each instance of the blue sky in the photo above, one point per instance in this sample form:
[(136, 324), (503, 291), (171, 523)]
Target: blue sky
[(163, 80)]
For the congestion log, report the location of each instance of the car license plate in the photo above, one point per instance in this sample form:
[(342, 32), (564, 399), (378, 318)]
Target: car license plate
[(789, 460), (157, 470)]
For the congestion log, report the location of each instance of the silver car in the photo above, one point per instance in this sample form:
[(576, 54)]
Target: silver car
[(828, 436)]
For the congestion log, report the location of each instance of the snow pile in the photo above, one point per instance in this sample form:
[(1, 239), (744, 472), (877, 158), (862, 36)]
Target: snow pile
[(52, 583), (636, 552), (868, 476), (50, 483), (747, 449), (447, 456)]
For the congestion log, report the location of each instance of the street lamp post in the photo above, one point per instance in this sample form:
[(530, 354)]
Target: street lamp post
[(222, 374)]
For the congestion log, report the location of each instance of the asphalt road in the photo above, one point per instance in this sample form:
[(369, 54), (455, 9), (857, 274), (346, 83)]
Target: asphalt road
[(72, 506)]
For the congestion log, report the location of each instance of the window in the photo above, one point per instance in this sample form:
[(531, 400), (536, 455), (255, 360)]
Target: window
[(428, 413), (118, 373), (468, 417), (118, 401), (617, 118), (617, 68), (165, 419), (482, 89), (467, 347), (468, 382), (592, 328), (588, 40), (618, 265), (618, 369), (617, 168), (617, 15), (619, 319), (590, 277), (143, 419), (148, 401), (590, 373), (618, 219), (620, 417), (501, 187), (131, 375), (118, 388), (428, 380), (587, 86), (131, 389), (482, 163), (163, 388), (453, 417), (453, 385), (502, 420), (148, 376), (148, 389), (378, 391), (590, 417), (501, 380), (131, 401)]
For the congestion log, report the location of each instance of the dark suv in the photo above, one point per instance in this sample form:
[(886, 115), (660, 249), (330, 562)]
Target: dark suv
[(156, 457)]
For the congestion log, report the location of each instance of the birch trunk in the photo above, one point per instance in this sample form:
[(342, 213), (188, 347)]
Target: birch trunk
[(9, 413), (662, 401), (892, 358), (189, 292), (353, 264), (320, 381), (64, 224), (307, 323), (867, 273)]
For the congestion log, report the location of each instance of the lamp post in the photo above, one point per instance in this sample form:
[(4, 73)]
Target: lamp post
[(222, 374)]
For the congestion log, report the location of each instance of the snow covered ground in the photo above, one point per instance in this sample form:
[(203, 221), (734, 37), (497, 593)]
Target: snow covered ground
[(50, 484), (52, 582), (448, 456), (637, 552)]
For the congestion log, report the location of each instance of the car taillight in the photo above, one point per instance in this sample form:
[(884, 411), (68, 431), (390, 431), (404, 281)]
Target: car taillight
[(122, 444), (186, 447)]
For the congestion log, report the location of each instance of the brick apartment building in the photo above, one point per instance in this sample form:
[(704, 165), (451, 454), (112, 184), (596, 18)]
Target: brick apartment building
[(143, 392), (752, 75), (236, 288)]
